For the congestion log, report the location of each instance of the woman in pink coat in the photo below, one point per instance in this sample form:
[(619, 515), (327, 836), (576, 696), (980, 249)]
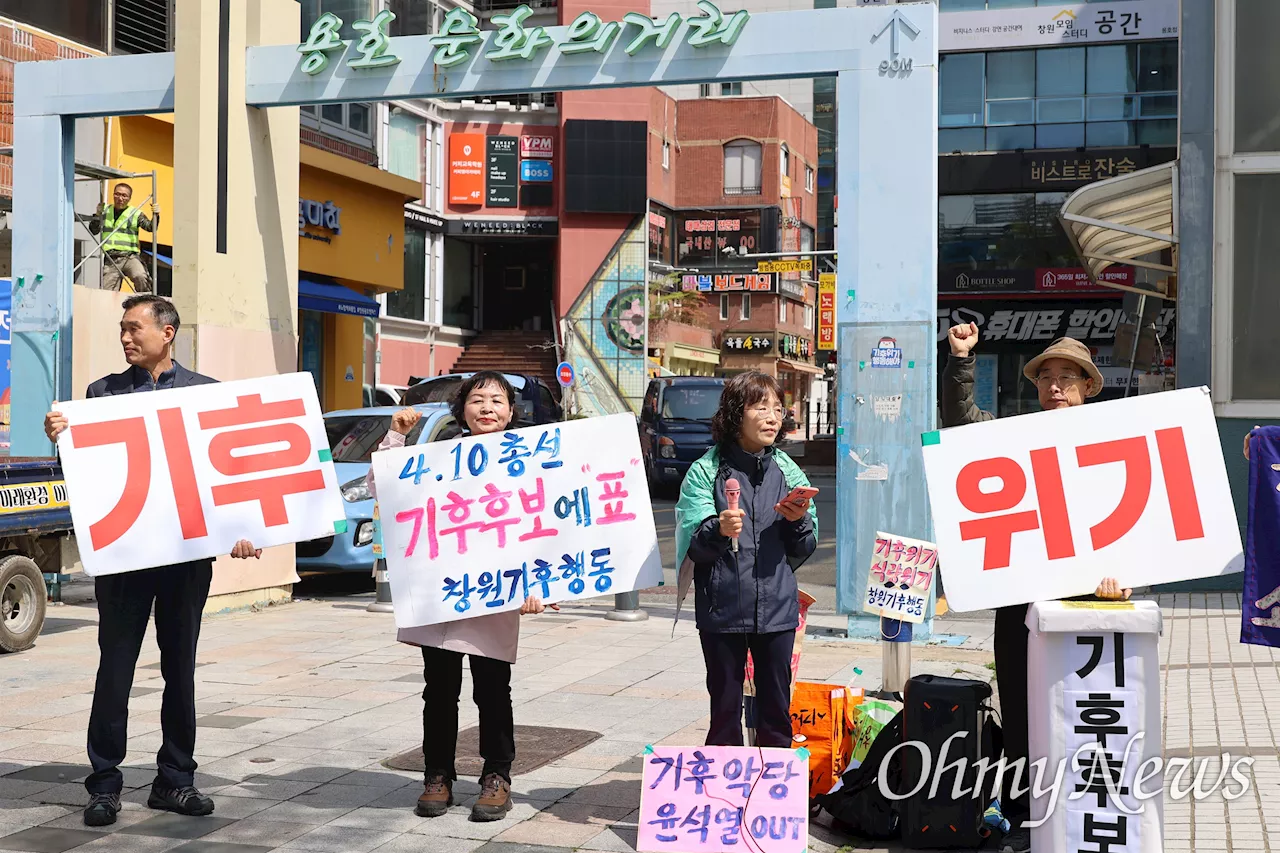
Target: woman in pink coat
[(485, 404)]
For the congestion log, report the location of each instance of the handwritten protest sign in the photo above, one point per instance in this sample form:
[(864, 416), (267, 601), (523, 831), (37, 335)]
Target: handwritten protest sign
[(1044, 506), (700, 799), (476, 525), (183, 474), (900, 577)]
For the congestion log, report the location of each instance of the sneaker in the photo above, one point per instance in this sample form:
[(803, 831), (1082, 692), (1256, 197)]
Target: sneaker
[(1018, 841), (185, 801), (102, 810), (437, 796), (495, 799)]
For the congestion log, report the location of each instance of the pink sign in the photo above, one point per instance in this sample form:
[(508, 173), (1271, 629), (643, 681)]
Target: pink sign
[(1074, 279), (537, 146), (708, 799)]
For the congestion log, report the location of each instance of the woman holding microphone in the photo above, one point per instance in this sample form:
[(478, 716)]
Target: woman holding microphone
[(485, 405), (745, 520)]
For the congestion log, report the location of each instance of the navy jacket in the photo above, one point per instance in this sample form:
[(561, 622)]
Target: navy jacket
[(753, 591)]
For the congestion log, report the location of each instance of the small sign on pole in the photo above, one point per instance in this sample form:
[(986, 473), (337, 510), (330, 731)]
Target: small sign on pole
[(564, 374)]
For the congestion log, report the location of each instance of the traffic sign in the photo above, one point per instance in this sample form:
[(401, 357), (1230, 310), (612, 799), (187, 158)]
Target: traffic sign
[(564, 373), (805, 265)]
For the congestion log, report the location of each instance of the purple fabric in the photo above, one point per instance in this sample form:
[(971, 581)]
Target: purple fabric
[(1260, 615)]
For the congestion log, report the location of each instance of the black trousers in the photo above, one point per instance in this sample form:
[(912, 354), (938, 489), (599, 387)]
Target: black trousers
[(491, 690), (124, 608), (726, 659), (1011, 677)]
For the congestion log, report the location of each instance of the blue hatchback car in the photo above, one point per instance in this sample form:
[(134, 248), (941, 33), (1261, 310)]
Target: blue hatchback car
[(354, 435)]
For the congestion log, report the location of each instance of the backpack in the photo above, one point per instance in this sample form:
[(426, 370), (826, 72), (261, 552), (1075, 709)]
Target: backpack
[(859, 807)]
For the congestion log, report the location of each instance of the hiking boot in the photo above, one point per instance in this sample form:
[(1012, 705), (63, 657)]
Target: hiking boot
[(102, 810), (184, 801), (1017, 841), (495, 799), (437, 796)]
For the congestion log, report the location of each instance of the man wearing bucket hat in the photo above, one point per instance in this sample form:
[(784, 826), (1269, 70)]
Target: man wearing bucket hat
[(1064, 376)]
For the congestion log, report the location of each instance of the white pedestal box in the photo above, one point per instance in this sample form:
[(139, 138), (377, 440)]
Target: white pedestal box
[(1094, 709)]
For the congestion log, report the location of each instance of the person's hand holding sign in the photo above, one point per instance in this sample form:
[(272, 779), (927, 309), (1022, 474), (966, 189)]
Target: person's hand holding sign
[(244, 549), (963, 338), (534, 605), (405, 420), (1109, 590), (55, 422)]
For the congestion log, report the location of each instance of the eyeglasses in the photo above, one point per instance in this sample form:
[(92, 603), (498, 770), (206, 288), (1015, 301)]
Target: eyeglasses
[(765, 411), (1061, 379)]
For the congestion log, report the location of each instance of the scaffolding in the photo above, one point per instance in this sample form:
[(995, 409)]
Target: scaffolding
[(86, 172)]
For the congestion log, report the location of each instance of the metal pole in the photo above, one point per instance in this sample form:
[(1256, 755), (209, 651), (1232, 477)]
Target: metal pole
[(895, 647), (382, 598), (626, 608), (1137, 336), (155, 226)]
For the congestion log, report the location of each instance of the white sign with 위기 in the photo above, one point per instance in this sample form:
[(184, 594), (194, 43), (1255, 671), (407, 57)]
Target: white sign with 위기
[(478, 524), (182, 474), (1044, 506)]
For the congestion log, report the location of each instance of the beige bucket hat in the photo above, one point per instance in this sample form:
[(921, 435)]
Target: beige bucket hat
[(1073, 351)]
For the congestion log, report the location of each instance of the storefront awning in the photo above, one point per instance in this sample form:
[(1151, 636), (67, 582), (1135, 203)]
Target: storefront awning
[(688, 352), (1120, 220), (335, 299), (788, 364)]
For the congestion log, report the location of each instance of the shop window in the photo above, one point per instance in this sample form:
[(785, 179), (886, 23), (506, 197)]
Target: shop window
[(782, 309), (82, 21), (1255, 311), (349, 11), (744, 313), (742, 168), (1060, 72), (727, 89), (413, 17), (459, 285), (666, 154), (406, 135), (1002, 231), (808, 179), (1257, 67), (808, 318), (410, 303), (724, 306), (961, 93), (784, 159)]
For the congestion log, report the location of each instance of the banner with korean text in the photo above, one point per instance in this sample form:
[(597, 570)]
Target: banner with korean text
[(1044, 506), (183, 474), (706, 799), (476, 525), (901, 573)]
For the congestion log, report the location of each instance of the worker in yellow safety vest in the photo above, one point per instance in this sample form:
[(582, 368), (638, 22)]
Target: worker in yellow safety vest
[(119, 224)]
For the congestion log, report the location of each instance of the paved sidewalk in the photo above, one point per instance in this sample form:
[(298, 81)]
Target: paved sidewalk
[(300, 704)]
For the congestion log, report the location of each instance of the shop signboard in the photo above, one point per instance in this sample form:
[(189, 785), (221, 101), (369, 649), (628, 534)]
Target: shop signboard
[(1058, 25), (466, 168), (542, 147), (794, 289), (743, 282), (755, 342), (1044, 171), (535, 172), (805, 265), (502, 163), (1076, 280), (1002, 324), (827, 311)]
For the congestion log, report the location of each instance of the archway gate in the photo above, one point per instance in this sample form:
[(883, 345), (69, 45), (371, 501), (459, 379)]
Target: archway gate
[(234, 96)]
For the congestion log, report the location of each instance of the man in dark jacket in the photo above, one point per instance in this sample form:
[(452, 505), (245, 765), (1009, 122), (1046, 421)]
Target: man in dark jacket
[(1064, 376), (124, 605)]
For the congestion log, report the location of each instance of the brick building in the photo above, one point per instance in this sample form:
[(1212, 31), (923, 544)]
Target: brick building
[(729, 179)]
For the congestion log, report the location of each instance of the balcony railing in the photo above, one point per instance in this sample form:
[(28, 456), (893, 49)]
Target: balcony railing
[(483, 6), (755, 190)]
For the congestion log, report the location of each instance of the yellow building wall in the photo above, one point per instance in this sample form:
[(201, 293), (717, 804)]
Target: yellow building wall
[(344, 347)]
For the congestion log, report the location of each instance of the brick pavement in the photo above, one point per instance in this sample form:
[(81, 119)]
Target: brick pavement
[(300, 704)]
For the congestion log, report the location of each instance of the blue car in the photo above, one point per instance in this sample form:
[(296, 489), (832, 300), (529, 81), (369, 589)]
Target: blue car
[(354, 435)]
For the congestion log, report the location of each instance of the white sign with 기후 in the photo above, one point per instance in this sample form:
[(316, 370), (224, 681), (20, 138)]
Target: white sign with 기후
[(900, 577), (182, 474), (478, 524), (1044, 506)]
